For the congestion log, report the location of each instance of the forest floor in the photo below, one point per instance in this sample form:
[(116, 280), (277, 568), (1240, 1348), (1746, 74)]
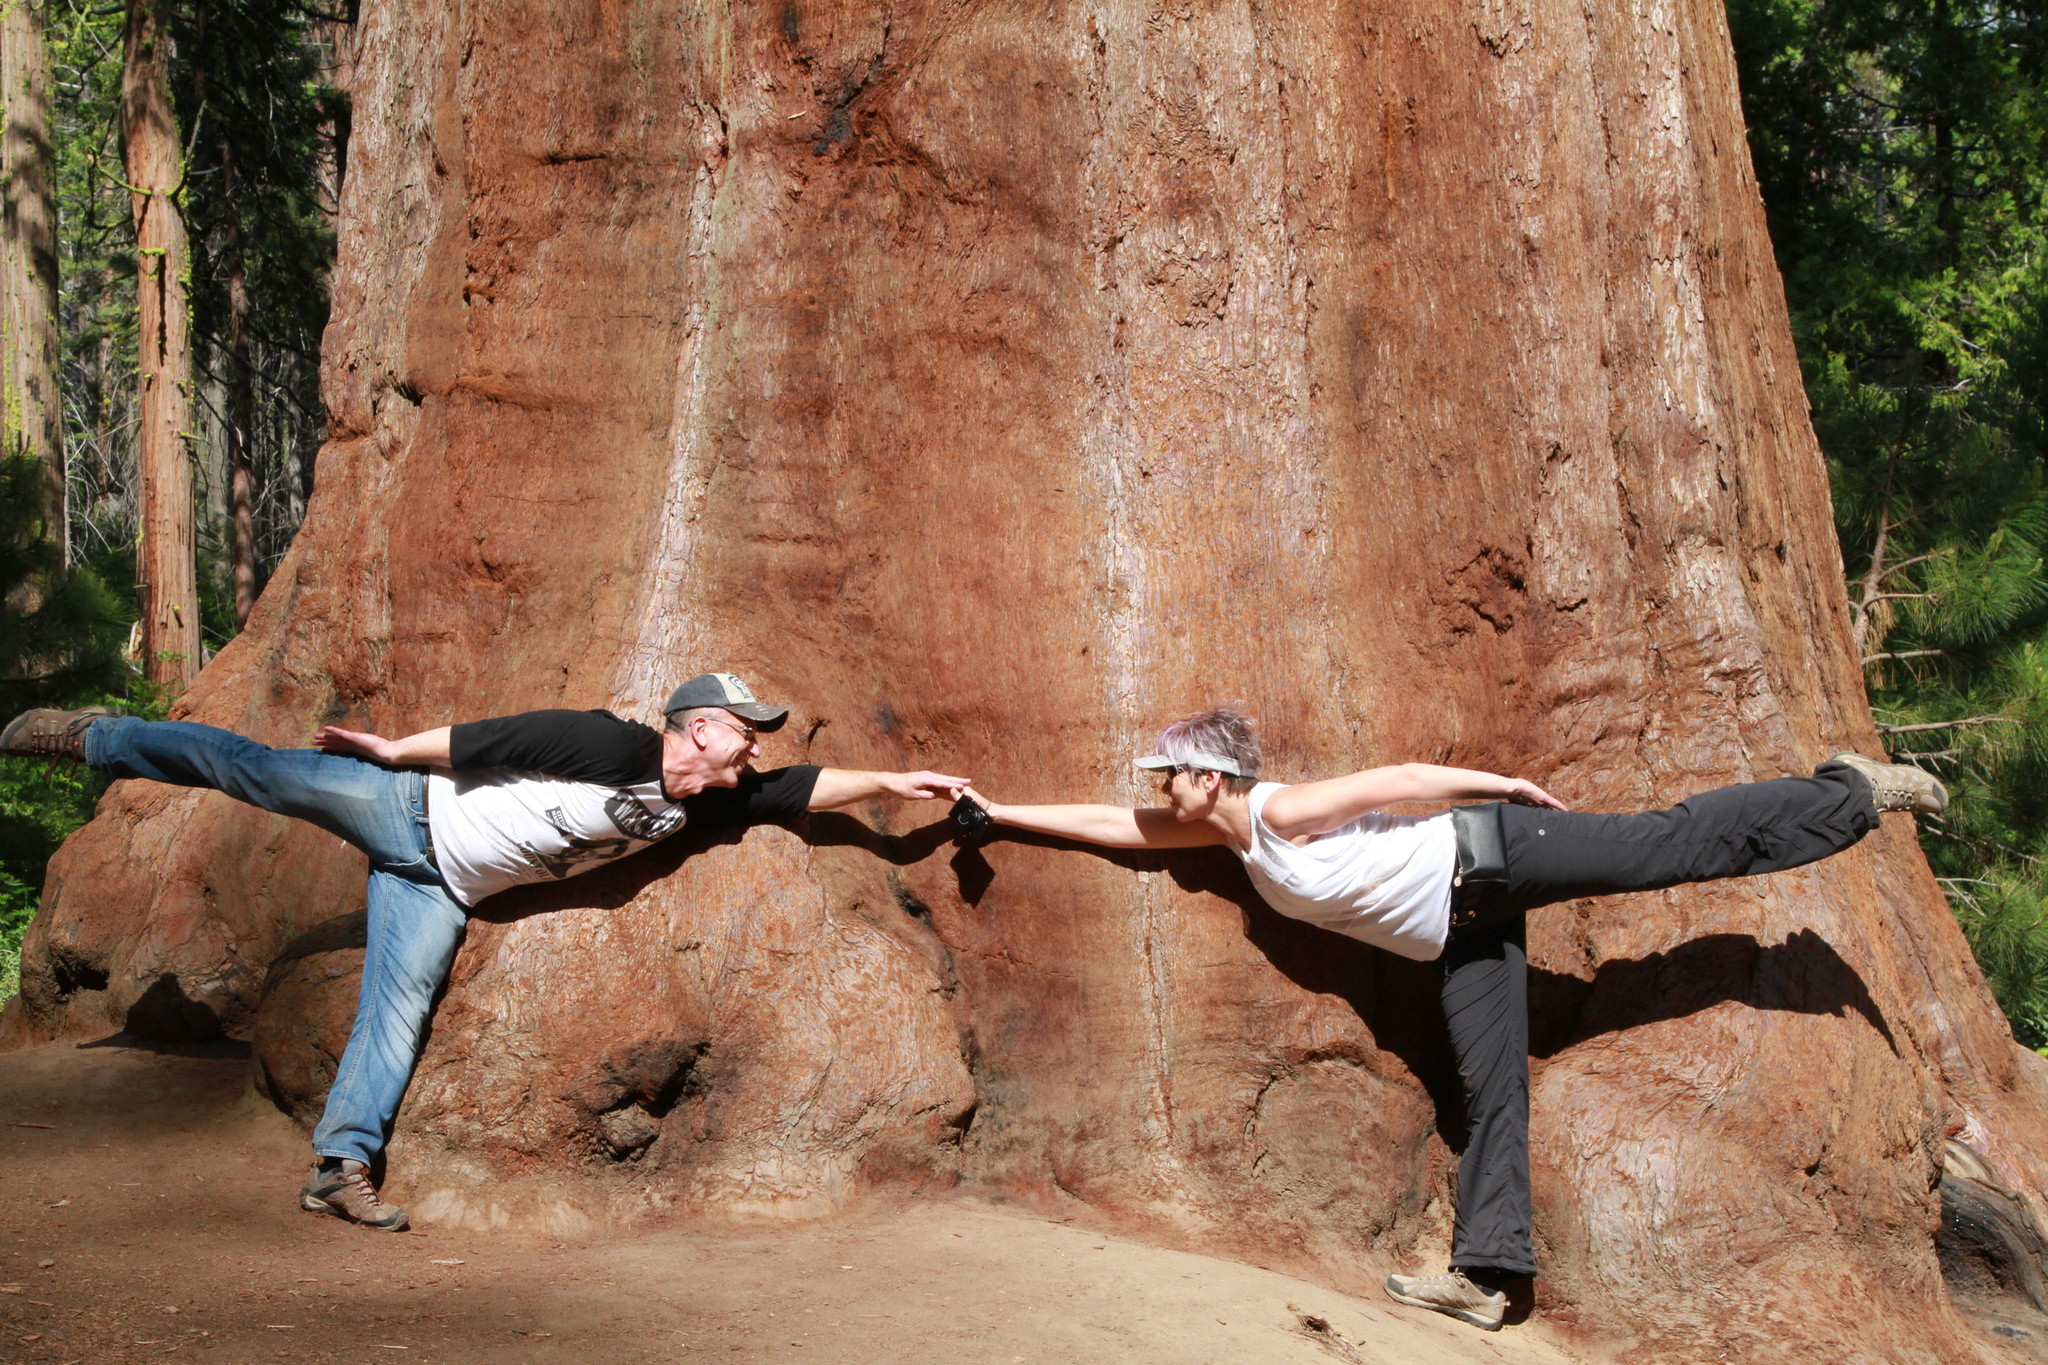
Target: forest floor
[(148, 1210)]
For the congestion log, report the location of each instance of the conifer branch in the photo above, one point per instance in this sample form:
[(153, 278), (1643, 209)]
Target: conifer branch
[(1884, 729)]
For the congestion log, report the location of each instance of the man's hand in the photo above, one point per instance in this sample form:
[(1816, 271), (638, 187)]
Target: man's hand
[(352, 744), (924, 786), (427, 749), (843, 786)]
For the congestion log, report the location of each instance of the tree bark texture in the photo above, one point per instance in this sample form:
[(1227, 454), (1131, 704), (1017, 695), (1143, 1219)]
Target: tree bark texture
[(995, 383), (166, 572), (31, 406), (241, 415)]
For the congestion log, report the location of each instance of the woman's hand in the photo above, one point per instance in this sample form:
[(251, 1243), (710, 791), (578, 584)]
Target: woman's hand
[(1523, 792)]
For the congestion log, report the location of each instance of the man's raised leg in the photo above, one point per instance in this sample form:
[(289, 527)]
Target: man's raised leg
[(364, 803)]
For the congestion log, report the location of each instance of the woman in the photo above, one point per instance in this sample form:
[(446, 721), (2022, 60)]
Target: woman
[(1454, 886)]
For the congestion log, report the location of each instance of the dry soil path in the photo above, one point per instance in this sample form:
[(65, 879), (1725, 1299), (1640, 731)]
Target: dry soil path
[(146, 1213)]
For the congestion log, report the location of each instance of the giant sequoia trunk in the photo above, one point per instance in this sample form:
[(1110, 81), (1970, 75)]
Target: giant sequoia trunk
[(994, 383)]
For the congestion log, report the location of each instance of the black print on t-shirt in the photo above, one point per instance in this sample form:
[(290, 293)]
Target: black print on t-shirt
[(579, 851), (632, 819)]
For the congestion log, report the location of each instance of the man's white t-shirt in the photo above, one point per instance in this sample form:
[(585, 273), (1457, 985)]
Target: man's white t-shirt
[(548, 794), (1384, 879), (498, 829)]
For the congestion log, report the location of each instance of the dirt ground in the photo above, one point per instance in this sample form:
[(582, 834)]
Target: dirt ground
[(147, 1210)]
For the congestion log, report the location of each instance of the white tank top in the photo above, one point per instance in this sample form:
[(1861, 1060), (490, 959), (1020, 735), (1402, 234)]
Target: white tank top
[(1385, 879)]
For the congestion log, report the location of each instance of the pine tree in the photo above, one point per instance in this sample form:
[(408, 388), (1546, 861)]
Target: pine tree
[(1902, 153)]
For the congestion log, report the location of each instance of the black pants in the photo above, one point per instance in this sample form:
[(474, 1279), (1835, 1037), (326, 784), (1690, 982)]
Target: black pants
[(1563, 855)]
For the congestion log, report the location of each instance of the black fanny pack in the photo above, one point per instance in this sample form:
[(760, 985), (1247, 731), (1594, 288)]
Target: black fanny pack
[(1482, 845)]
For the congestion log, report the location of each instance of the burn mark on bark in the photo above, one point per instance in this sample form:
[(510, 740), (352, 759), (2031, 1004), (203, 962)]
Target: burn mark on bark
[(1490, 586), (839, 114), (628, 1097), (908, 900), (962, 1123), (1991, 1247), (72, 971)]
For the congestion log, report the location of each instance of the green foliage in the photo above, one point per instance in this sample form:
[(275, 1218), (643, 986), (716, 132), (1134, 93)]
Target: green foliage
[(1902, 149), (95, 275), (61, 637)]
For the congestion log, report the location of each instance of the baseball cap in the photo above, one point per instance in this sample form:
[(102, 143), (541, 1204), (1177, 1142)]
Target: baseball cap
[(1200, 758), (728, 692)]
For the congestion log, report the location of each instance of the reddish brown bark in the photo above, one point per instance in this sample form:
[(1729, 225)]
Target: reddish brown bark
[(993, 385), (166, 572), (31, 407), (241, 416)]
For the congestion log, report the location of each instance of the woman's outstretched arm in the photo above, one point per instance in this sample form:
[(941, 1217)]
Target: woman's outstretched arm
[(1319, 807), (1111, 826)]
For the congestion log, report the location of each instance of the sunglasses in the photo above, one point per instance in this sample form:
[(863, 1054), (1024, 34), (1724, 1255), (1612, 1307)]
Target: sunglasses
[(746, 731)]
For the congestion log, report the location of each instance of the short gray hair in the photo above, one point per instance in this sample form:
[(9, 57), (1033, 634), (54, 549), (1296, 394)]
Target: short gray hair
[(679, 721), (1221, 730)]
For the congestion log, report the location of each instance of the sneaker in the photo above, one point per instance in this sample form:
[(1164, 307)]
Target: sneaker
[(1894, 786), (346, 1192), (44, 733), (1452, 1294)]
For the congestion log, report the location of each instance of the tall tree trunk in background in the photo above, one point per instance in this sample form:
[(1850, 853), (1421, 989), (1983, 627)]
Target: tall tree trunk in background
[(340, 37), (166, 576), (31, 405), (241, 408)]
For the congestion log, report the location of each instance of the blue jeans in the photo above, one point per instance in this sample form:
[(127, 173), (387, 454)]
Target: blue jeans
[(415, 925)]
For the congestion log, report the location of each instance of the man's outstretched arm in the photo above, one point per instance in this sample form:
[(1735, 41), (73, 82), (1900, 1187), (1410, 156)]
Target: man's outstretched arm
[(427, 749), (843, 786)]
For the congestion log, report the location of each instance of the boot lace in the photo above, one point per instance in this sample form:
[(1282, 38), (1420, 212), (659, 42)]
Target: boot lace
[(359, 1184)]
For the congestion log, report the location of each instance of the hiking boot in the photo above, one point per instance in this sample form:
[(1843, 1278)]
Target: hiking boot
[(346, 1192), (1453, 1294), (44, 733), (1894, 786)]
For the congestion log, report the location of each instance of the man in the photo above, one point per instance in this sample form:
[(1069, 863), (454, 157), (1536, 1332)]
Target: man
[(453, 815), (1454, 888)]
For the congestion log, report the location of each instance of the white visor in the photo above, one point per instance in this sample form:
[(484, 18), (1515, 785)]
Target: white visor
[(1200, 758)]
